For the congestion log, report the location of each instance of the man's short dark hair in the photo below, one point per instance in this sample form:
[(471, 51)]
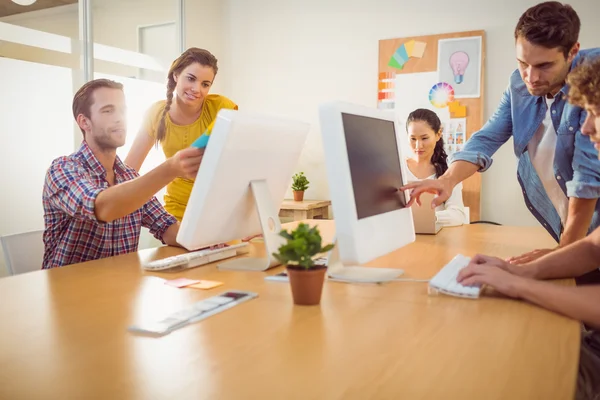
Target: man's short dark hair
[(551, 25), (84, 98)]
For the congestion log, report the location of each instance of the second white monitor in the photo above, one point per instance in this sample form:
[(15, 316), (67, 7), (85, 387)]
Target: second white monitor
[(365, 168)]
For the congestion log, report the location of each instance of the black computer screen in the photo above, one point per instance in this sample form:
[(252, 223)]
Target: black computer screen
[(374, 164)]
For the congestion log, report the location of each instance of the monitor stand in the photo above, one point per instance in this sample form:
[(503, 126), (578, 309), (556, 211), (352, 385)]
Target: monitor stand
[(355, 274), (271, 227)]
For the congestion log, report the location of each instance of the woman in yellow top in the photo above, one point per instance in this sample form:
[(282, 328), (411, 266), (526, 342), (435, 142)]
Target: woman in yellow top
[(175, 123)]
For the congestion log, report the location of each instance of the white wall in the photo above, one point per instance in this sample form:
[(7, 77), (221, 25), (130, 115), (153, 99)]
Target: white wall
[(289, 56)]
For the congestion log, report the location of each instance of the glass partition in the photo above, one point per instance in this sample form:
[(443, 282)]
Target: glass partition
[(39, 60), (44, 62)]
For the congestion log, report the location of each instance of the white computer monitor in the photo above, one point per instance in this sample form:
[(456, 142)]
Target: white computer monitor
[(365, 168), (246, 170)]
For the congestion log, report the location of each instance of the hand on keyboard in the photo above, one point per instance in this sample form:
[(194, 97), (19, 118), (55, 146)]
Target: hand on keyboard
[(496, 262), (445, 281), (499, 279), (494, 272), (490, 261)]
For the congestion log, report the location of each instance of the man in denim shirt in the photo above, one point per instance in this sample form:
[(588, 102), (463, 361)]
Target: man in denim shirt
[(525, 282), (558, 169)]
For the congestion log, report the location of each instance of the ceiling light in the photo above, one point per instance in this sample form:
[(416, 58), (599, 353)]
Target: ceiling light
[(24, 2)]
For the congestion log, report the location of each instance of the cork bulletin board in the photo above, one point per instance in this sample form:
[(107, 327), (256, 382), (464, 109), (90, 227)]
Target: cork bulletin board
[(444, 73)]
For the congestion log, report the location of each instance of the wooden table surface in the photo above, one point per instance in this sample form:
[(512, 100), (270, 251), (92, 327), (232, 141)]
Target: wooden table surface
[(64, 333)]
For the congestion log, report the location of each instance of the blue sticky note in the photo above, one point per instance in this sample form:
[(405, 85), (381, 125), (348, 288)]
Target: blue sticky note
[(201, 142)]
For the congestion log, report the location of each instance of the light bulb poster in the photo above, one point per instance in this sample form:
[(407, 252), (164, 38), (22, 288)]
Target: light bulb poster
[(459, 63)]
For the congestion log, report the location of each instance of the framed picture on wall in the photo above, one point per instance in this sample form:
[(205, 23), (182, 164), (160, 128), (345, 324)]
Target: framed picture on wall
[(459, 64)]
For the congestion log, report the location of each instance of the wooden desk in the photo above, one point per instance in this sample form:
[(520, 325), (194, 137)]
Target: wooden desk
[(64, 334), (307, 209)]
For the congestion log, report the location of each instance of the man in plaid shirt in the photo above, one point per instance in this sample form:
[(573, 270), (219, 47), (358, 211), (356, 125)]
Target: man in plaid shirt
[(94, 204)]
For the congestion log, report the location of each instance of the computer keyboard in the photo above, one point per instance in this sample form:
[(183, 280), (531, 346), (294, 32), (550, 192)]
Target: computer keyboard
[(193, 313), (196, 258), (445, 280)]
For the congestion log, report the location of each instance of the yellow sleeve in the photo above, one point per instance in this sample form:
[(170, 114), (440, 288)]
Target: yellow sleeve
[(216, 103), (152, 118), (227, 103)]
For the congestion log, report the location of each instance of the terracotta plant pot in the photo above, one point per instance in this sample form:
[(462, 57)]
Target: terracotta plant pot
[(298, 196), (306, 284)]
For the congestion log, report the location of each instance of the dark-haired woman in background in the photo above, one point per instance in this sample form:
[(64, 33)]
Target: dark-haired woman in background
[(430, 161)]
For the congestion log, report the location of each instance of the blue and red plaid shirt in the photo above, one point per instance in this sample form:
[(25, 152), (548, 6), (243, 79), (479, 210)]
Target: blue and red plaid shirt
[(73, 234)]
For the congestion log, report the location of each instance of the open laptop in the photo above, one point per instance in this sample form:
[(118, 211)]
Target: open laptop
[(424, 216)]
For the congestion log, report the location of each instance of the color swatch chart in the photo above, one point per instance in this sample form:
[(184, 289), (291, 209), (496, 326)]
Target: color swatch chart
[(386, 92), (407, 50)]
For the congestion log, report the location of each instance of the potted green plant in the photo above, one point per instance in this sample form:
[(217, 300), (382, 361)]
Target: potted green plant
[(299, 186), (297, 253)]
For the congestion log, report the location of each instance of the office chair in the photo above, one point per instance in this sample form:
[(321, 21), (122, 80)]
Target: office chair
[(23, 252), (468, 217)]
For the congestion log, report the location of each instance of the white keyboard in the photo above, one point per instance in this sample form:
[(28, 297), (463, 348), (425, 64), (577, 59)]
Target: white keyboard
[(193, 313), (196, 258), (445, 280)]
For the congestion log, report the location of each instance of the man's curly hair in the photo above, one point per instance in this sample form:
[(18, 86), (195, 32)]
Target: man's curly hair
[(584, 82)]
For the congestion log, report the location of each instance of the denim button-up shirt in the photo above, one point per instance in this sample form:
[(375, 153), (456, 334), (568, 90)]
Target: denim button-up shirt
[(576, 164)]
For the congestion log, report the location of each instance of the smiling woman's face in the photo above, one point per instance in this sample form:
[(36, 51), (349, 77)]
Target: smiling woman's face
[(193, 83)]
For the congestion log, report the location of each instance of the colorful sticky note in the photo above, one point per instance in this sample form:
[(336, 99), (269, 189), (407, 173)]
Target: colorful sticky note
[(418, 49), (205, 285), (410, 45), (181, 282), (460, 113), (457, 110)]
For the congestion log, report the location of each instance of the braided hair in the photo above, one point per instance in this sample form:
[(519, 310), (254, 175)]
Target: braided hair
[(188, 57)]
